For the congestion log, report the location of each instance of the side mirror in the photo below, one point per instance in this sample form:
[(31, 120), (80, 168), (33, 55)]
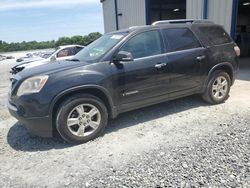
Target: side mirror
[(123, 56), (53, 58)]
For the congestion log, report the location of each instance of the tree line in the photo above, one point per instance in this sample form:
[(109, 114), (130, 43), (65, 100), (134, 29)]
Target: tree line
[(33, 45)]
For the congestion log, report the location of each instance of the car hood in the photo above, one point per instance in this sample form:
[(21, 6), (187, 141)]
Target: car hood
[(50, 68), (20, 66), (34, 63)]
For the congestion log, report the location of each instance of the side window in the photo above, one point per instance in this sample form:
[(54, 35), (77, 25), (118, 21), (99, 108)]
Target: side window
[(78, 49), (180, 39), (144, 44), (66, 52), (215, 34)]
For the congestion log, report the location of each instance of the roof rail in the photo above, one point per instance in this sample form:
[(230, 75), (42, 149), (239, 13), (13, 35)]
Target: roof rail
[(180, 21), (133, 27)]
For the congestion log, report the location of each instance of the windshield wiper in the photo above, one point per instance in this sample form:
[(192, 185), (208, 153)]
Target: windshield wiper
[(72, 60)]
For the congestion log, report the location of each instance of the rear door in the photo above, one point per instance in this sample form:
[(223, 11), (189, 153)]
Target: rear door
[(186, 60)]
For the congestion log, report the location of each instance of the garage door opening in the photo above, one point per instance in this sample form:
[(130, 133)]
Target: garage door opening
[(243, 27), (166, 10)]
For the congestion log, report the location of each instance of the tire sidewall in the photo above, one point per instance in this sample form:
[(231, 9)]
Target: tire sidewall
[(68, 106)]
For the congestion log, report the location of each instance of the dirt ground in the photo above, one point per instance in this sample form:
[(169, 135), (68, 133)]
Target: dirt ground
[(182, 143)]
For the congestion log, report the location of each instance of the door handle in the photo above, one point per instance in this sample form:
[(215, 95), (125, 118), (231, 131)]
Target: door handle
[(200, 58), (160, 65)]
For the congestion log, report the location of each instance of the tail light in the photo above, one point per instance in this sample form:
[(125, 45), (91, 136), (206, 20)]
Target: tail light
[(237, 50)]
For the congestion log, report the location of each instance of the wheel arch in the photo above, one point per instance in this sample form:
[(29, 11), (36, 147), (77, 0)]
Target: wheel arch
[(94, 90), (225, 66)]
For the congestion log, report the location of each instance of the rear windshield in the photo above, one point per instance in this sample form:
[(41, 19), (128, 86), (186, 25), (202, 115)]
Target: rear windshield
[(215, 34)]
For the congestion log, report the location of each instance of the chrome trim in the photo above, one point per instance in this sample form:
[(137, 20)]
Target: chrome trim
[(180, 21), (130, 93)]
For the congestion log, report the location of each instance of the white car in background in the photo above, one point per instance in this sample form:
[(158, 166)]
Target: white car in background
[(60, 53)]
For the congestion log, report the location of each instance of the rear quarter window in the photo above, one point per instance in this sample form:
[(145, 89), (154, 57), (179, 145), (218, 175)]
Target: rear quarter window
[(180, 39), (216, 35)]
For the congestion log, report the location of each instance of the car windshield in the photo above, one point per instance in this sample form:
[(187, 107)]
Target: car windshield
[(98, 48)]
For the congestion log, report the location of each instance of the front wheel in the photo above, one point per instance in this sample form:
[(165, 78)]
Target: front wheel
[(218, 88), (81, 118)]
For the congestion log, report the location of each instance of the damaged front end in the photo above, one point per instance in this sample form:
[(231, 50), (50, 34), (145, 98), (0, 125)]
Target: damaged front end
[(16, 69)]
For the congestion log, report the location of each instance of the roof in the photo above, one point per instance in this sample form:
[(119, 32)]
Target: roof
[(182, 21), (165, 24), (68, 46)]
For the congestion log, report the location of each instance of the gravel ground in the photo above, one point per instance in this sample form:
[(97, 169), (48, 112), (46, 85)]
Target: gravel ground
[(182, 143), (219, 160)]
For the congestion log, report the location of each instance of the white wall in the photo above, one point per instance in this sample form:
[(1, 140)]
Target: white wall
[(220, 11), (133, 13), (109, 15), (194, 9)]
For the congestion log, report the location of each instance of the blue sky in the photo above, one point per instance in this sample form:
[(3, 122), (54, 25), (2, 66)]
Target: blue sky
[(41, 20)]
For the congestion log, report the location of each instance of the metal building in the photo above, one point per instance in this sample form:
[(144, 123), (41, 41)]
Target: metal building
[(234, 15)]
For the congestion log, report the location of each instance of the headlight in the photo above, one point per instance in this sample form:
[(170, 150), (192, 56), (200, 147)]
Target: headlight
[(32, 85)]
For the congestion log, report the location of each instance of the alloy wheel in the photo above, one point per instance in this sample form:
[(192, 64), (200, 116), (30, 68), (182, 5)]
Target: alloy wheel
[(83, 120), (220, 88)]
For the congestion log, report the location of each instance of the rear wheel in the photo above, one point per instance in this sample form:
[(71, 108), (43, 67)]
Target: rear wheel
[(81, 118), (218, 88)]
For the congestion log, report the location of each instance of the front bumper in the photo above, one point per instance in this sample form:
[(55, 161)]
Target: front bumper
[(40, 126)]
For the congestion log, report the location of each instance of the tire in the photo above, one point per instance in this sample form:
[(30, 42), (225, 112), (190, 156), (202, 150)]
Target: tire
[(217, 94), (81, 118)]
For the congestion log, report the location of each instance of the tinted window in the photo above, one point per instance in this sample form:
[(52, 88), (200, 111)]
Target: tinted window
[(180, 39), (144, 44), (215, 34), (78, 49)]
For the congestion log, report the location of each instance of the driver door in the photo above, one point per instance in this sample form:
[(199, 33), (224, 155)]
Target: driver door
[(136, 81)]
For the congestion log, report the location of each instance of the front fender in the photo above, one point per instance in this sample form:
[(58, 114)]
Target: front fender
[(79, 88)]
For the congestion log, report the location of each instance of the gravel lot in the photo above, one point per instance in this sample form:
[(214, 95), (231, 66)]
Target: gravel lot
[(182, 143)]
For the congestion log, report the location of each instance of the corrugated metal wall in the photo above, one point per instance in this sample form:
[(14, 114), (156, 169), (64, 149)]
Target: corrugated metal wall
[(195, 9), (133, 13), (130, 13), (220, 11), (109, 15)]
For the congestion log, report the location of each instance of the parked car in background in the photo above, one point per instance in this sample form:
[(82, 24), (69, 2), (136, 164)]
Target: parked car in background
[(2, 57), (46, 55), (6, 57), (123, 71), (60, 53), (29, 57), (20, 59), (10, 57)]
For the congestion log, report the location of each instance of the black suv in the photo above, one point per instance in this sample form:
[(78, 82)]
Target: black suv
[(123, 71)]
